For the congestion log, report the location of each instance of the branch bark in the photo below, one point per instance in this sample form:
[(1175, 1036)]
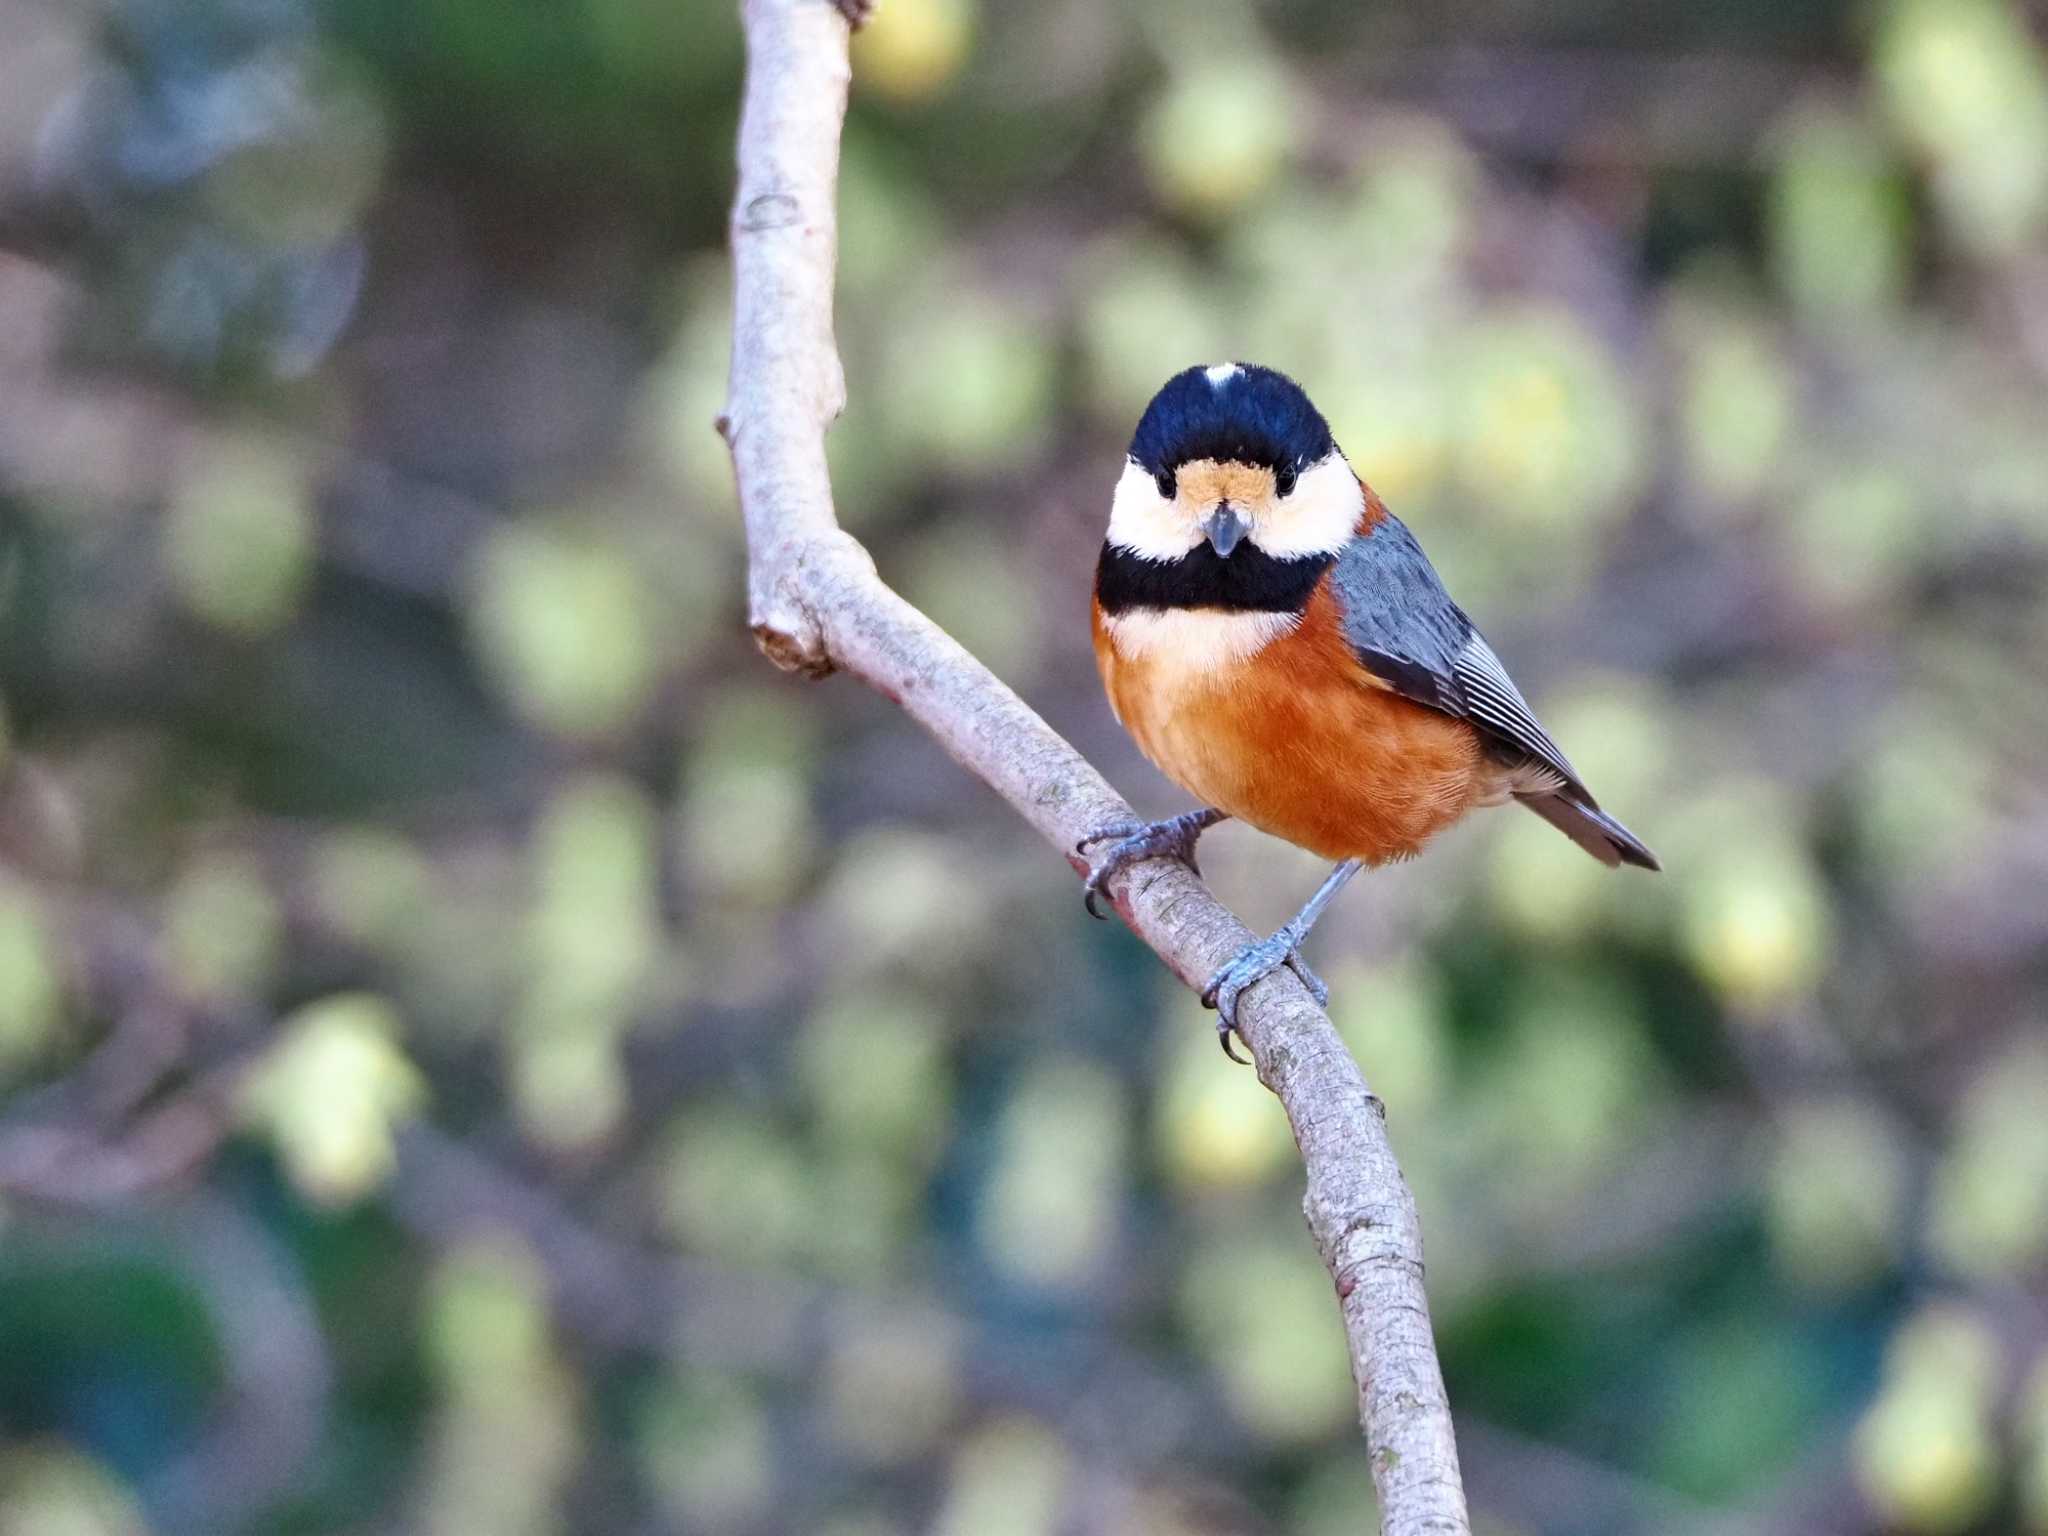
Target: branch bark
[(817, 605)]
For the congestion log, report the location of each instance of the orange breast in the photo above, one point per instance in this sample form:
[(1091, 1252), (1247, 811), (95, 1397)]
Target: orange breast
[(1299, 740)]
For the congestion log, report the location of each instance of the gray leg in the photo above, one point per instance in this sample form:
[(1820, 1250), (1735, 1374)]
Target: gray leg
[(1136, 841), (1256, 961)]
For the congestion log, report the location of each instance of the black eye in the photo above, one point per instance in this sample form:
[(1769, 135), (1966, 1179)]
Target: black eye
[(1164, 480), (1283, 479)]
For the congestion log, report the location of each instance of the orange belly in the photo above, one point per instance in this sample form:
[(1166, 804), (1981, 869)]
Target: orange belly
[(1300, 740)]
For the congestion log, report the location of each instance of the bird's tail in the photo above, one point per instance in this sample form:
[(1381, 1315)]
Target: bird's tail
[(1592, 829)]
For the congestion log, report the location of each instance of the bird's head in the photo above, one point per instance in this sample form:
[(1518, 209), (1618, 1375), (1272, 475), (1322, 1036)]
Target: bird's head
[(1229, 456)]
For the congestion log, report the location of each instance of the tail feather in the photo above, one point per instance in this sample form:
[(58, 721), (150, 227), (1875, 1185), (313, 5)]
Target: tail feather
[(1593, 830)]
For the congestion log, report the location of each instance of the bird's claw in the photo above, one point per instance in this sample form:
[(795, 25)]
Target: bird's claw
[(1132, 842), (1249, 966), (1114, 829)]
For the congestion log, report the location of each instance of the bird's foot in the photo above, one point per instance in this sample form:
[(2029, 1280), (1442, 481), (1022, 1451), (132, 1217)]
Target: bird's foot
[(1132, 842), (1252, 964)]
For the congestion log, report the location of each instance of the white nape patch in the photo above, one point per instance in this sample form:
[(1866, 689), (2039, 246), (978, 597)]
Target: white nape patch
[(1196, 638), (1221, 374), (1318, 517), (1146, 523)]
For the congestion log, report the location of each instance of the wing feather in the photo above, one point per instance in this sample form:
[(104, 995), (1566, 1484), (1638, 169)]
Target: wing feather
[(1407, 631), (1493, 701)]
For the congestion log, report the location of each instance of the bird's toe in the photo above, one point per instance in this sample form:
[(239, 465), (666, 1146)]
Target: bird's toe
[(1224, 1030), (1116, 830), (1317, 987), (1133, 842), (1249, 966)]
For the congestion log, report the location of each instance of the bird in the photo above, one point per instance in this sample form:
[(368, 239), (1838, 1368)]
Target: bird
[(1278, 645)]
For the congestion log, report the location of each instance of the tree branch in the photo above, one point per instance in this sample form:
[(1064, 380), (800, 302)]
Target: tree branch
[(817, 605)]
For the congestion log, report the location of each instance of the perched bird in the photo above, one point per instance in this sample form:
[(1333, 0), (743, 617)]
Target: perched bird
[(1280, 647)]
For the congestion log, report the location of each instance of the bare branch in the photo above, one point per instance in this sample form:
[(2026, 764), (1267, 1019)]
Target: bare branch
[(816, 604)]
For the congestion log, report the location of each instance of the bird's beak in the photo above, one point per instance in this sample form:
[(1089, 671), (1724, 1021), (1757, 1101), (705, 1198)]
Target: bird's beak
[(1225, 528)]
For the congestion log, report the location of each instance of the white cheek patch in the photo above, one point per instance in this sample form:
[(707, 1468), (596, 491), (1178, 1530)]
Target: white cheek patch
[(1221, 374), (1196, 638), (1318, 517), (1146, 523)]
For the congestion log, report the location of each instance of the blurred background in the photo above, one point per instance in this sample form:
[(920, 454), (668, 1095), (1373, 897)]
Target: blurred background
[(480, 1052)]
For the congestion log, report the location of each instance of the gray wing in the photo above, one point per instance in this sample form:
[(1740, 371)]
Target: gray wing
[(1406, 630)]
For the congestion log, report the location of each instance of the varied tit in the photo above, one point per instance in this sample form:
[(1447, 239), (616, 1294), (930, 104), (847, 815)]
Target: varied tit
[(1281, 648)]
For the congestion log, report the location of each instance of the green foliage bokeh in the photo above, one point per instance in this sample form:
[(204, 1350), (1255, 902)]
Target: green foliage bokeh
[(482, 1053)]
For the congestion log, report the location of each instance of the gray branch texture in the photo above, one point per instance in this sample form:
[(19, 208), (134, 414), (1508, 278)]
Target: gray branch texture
[(817, 605)]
